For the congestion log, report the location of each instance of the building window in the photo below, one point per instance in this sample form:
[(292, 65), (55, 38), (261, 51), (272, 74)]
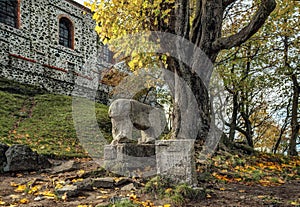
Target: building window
[(9, 12), (66, 32)]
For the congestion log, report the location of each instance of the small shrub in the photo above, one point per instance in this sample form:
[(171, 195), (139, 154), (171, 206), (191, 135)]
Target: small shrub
[(158, 185), (177, 200), (190, 193), (124, 203)]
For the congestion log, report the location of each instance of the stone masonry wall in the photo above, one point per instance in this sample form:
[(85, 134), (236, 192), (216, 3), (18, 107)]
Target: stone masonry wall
[(31, 53)]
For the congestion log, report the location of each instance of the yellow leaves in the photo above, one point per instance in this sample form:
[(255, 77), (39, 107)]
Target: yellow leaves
[(221, 177), (48, 194), (168, 190), (98, 29), (77, 180), (264, 182), (80, 173), (115, 19), (84, 206), (237, 179), (13, 184), (147, 203), (34, 189), (24, 201), (59, 184), (132, 196), (87, 4), (264, 169), (93, 7), (20, 188), (208, 196), (103, 197), (295, 203), (280, 181), (64, 196), (2, 202), (131, 64)]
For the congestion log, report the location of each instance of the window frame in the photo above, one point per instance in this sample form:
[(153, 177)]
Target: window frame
[(66, 21), (15, 16)]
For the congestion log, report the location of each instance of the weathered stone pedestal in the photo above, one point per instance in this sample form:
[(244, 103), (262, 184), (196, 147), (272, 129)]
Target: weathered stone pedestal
[(175, 160), (170, 158), (130, 159)]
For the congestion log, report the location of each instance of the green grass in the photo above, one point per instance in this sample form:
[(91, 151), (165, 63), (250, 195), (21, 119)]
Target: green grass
[(43, 121)]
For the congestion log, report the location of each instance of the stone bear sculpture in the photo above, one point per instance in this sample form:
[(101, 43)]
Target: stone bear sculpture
[(128, 113)]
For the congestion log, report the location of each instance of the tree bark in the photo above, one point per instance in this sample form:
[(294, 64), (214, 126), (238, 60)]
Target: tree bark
[(233, 122), (283, 128), (295, 124), (205, 32)]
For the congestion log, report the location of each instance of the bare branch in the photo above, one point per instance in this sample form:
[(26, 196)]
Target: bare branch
[(259, 18), (226, 3)]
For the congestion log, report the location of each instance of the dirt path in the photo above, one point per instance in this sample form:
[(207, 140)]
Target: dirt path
[(230, 194)]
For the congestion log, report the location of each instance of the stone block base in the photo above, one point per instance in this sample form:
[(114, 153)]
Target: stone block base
[(130, 159), (175, 160)]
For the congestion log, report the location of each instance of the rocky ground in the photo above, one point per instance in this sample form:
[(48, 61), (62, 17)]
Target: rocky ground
[(82, 183)]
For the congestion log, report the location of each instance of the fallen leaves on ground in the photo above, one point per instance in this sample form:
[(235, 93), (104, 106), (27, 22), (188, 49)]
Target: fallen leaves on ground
[(263, 169)]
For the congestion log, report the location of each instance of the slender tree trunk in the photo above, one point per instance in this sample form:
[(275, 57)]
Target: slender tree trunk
[(283, 128), (249, 131), (234, 117), (295, 101), (295, 124)]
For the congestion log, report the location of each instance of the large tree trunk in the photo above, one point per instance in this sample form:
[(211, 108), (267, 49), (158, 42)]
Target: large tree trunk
[(205, 33), (191, 103)]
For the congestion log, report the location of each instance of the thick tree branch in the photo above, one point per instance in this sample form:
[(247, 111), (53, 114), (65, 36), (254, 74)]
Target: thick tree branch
[(239, 129), (195, 33), (259, 18), (182, 26)]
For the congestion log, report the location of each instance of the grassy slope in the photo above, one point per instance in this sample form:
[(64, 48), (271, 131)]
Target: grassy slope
[(43, 121)]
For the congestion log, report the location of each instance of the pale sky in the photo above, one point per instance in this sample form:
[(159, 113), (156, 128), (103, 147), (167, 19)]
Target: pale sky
[(80, 1)]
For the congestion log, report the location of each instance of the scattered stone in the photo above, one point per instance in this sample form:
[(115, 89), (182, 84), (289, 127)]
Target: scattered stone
[(86, 184), (104, 204), (66, 167), (3, 149), (103, 182), (69, 190), (128, 187), (44, 162), (100, 172), (22, 158), (39, 198), (122, 181)]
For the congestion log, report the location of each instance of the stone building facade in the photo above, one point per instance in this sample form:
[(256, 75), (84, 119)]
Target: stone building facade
[(52, 44)]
